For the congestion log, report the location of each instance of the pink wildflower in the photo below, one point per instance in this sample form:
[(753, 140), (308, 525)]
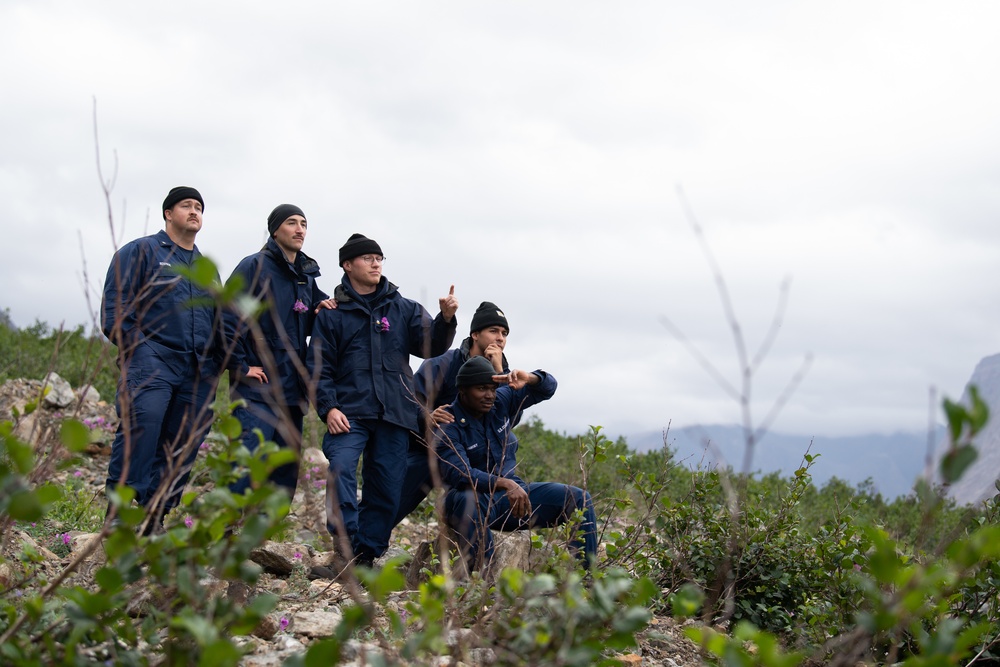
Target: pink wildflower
[(297, 556), (299, 307), (66, 538), (203, 445), (77, 473), (282, 624), (188, 521)]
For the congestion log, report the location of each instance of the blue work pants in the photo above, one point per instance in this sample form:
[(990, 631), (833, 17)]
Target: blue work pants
[(383, 447), (473, 515), (285, 431), (169, 411)]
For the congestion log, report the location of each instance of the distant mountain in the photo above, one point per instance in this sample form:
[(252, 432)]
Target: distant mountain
[(892, 462), (978, 483)]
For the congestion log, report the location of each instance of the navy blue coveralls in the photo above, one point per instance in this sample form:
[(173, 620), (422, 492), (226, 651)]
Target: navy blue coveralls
[(435, 384), (364, 349), (167, 332), (290, 295), (474, 452)]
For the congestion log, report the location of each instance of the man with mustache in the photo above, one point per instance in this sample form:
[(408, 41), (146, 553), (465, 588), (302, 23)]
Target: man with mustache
[(267, 365), (167, 331), (478, 451)]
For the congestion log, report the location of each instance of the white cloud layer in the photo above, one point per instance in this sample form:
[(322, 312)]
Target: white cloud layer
[(529, 154)]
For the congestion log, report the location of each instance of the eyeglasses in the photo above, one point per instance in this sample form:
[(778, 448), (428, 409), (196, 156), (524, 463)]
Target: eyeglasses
[(371, 259)]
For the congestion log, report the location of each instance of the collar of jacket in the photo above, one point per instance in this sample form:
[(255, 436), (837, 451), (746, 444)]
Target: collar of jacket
[(465, 349), (462, 418), (303, 262), (344, 293), (163, 239)]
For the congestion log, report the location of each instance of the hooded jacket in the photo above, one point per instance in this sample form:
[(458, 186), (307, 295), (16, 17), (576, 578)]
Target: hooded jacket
[(470, 462), (363, 353), (436, 381), (147, 302), (284, 328)]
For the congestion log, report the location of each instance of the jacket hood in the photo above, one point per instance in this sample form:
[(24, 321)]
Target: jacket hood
[(303, 262), (344, 293)]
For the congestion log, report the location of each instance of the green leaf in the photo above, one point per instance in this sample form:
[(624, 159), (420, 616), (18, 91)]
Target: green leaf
[(687, 601), (979, 413), (109, 579), (220, 653), (74, 435), (231, 427), (24, 505), (263, 604), (20, 455), (201, 272), (956, 462), (323, 653), (48, 494)]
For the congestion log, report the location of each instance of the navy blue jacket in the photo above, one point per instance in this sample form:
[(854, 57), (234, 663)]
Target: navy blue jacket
[(436, 381), (365, 370), (146, 302), (467, 461), (278, 284)]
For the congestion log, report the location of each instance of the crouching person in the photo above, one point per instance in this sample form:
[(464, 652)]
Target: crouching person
[(478, 451)]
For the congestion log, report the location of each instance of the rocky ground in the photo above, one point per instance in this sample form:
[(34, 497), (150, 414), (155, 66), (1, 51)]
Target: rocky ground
[(308, 610)]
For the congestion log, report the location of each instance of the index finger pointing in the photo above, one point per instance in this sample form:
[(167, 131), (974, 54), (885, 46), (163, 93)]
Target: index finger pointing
[(451, 292)]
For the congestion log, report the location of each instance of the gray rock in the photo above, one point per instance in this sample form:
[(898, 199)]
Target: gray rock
[(267, 628), (315, 624), (280, 558), (510, 550), (979, 481), (88, 394), (356, 650), (60, 392)]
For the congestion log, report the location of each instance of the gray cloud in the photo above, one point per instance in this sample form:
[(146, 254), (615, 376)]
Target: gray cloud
[(528, 154)]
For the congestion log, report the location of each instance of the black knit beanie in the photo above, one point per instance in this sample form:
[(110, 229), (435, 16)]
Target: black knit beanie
[(476, 371), (281, 213), (178, 194), (358, 245), (488, 315)]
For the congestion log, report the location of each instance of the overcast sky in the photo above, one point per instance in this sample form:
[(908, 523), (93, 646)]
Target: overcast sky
[(531, 154)]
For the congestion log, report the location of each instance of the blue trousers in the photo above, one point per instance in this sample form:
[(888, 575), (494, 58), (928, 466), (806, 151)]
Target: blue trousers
[(474, 515), (165, 412), (285, 431), (383, 447), (417, 483)]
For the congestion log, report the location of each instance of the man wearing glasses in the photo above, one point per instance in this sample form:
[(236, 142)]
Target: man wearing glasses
[(360, 355)]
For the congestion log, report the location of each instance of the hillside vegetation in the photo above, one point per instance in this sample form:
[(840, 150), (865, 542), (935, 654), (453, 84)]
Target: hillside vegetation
[(773, 570)]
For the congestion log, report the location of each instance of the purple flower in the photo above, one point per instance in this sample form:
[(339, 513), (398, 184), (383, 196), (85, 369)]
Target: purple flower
[(319, 483), (299, 307), (297, 556), (203, 445), (382, 325), (77, 473), (282, 624), (188, 521), (66, 538)]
